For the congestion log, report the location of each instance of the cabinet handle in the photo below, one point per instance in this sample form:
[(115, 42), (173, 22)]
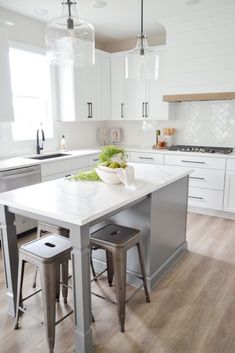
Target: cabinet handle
[(95, 160), (143, 104), (91, 111), (122, 105), (146, 110), (196, 197), (150, 158), (192, 162), (197, 178), (89, 114), (67, 175)]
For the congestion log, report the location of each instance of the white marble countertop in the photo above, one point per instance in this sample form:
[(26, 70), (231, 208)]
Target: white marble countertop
[(79, 202), (24, 161)]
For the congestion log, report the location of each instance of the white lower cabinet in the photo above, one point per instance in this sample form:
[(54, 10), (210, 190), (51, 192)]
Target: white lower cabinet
[(147, 157), (229, 191), (206, 182), (205, 198), (61, 169)]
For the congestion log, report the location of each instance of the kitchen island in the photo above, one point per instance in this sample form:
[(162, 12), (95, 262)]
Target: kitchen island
[(157, 206)]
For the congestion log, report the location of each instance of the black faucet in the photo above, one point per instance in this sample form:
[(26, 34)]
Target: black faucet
[(38, 147)]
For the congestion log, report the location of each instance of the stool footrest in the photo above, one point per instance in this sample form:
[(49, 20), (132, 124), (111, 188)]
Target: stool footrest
[(31, 315), (64, 317), (31, 295), (99, 274)]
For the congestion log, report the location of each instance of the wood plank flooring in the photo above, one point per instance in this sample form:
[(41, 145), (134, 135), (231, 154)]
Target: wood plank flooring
[(191, 311)]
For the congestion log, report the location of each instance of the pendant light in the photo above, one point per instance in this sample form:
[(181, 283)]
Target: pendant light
[(142, 61), (70, 40)]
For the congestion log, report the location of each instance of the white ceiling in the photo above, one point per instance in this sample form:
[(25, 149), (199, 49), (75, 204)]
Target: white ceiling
[(120, 18)]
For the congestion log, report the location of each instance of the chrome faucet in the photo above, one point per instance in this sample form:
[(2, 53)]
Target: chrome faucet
[(40, 136)]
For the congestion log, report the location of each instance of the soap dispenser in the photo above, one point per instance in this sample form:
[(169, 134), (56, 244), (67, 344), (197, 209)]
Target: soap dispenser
[(63, 145)]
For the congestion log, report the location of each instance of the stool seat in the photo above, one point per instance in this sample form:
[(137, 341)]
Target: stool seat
[(48, 248), (114, 234)]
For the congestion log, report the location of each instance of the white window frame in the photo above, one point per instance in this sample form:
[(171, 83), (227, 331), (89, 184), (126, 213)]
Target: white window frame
[(37, 50)]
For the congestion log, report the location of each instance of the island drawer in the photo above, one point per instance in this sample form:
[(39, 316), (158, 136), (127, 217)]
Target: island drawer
[(204, 198), (143, 157), (195, 161)]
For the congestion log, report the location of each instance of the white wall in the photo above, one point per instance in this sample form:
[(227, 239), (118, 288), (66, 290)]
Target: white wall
[(78, 134), (201, 51)]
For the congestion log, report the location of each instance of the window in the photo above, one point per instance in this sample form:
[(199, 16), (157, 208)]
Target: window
[(31, 89)]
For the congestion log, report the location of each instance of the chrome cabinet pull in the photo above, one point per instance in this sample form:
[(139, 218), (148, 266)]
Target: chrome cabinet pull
[(196, 197), (122, 114), (192, 162), (197, 178), (91, 110), (150, 158)]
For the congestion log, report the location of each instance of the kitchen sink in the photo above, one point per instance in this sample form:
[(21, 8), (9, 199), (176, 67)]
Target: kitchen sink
[(49, 156)]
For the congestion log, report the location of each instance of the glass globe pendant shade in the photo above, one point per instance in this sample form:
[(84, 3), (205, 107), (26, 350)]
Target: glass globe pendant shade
[(70, 40), (142, 62)]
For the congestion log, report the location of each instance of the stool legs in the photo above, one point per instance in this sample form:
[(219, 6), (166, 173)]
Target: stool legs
[(48, 283), (119, 263), (109, 260), (65, 278), (142, 268), (19, 290)]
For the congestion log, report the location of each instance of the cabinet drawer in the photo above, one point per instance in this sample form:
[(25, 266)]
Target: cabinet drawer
[(93, 160), (207, 179), (195, 161), (62, 174), (63, 166), (231, 164), (147, 157), (204, 198)]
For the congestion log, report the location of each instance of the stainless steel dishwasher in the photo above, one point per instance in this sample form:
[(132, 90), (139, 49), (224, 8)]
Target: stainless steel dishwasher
[(17, 178)]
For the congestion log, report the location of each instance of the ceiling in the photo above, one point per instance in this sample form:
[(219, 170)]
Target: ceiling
[(119, 19)]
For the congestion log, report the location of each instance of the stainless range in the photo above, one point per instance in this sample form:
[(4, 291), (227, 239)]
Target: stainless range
[(202, 149)]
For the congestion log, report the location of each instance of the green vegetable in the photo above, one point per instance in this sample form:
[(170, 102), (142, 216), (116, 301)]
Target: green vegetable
[(108, 152), (86, 176)]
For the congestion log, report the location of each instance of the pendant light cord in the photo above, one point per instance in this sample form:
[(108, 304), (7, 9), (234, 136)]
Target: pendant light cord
[(70, 24), (142, 28)]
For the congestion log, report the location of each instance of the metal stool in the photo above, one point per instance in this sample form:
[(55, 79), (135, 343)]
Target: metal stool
[(48, 254), (117, 240), (45, 228)]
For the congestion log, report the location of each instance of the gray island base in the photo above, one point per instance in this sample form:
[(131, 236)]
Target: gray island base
[(158, 207)]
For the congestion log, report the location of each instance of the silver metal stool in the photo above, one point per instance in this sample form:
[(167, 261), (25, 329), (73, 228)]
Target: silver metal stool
[(117, 240), (48, 254), (45, 228)]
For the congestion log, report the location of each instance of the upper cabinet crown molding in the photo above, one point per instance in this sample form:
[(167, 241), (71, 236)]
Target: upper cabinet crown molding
[(199, 97)]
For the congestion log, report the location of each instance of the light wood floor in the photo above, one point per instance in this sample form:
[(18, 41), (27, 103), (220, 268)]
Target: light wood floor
[(191, 311)]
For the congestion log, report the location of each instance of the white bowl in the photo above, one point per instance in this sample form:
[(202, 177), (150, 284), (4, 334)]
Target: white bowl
[(108, 175)]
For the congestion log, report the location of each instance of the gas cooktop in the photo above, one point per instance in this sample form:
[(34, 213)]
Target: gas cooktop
[(202, 149)]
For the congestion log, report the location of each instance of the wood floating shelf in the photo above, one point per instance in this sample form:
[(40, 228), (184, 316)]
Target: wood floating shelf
[(199, 97)]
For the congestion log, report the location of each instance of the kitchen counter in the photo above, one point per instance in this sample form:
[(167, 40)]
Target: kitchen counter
[(157, 206), (24, 161)]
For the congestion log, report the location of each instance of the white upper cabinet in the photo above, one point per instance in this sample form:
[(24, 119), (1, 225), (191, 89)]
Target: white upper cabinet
[(118, 87), (6, 106), (137, 99), (156, 108), (82, 93)]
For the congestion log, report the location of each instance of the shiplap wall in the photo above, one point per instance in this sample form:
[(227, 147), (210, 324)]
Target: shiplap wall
[(201, 52)]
